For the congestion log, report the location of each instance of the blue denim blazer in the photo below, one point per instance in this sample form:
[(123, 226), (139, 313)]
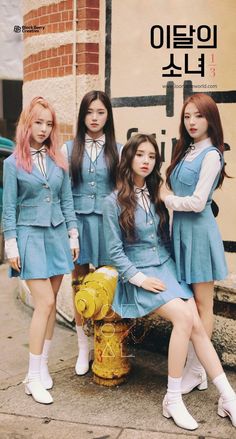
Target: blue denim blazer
[(30, 199), (96, 185), (130, 257)]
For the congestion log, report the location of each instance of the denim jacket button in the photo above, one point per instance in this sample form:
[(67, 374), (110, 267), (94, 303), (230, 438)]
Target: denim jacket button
[(48, 199), (151, 222), (153, 249)]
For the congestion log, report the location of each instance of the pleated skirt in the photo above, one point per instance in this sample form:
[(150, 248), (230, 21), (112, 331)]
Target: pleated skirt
[(131, 301), (197, 247), (44, 252), (92, 240)]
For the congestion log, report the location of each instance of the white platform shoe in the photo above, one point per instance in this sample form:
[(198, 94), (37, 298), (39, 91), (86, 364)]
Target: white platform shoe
[(38, 392), (83, 360), (179, 413), (193, 379), (227, 408)]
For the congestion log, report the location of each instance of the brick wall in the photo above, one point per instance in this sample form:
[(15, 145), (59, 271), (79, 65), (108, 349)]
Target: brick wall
[(48, 57)]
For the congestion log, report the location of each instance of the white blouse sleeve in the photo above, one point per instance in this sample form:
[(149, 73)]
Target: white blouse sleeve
[(211, 166), (11, 248), (138, 279)]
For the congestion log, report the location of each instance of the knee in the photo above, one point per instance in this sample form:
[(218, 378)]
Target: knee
[(198, 328), (48, 305), (185, 321)]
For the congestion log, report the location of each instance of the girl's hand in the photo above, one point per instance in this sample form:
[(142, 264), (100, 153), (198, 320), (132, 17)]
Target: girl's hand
[(153, 284), (75, 253), (15, 263), (164, 191)]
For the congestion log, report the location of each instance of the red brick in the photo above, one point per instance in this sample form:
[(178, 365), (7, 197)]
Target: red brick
[(68, 70), (69, 25), (88, 13), (88, 24), (44, 20), (65, 60), (88, 4), (68, 48), (61, 71), (55, 27), (62, 6), (64, 15), (43, 64), (55, 18)]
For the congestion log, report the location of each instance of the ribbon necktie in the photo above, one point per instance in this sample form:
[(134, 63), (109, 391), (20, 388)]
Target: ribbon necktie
[(39, 154), (96, 145), (144, 195)]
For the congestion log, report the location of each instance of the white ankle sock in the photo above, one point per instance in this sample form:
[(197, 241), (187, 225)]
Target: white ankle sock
[(46, 349), (34, 367), (174, 389), (82, 339), (224, 387)]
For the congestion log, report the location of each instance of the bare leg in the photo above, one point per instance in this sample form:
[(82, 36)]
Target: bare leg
[(181, 317), (210, 360), (44, 301), (202, 344), (203, 294), (194, 374), (46, 379)]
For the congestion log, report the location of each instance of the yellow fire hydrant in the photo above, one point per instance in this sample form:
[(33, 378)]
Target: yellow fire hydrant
[(93, 300)]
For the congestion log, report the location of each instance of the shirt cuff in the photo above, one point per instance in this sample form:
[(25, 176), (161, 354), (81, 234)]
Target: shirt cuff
[(73, 233), (11, 248), (74, 243), (138, 279)]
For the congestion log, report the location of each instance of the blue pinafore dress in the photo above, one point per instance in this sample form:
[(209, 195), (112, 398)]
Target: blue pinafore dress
[(197, 243)]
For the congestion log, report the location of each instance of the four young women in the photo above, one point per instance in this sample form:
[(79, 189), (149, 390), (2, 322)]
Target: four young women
[(135, 221)]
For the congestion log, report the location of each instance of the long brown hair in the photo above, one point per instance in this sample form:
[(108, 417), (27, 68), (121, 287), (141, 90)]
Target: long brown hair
[(208, 109), (125, 184), (110, 149)]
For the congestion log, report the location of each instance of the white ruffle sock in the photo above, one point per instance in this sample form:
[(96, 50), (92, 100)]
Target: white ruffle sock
[(82, 363), (173, 406), (45, 376), (194, 374), (227, 400), (32, 382)]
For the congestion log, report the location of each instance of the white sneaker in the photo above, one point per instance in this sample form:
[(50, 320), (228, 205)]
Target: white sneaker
[(45, 376), (193, 378), (82, 363), (227, 408), (179, 413), (36, 389)]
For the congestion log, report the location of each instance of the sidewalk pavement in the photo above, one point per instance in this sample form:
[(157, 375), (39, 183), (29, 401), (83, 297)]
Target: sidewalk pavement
[(81, 408)]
